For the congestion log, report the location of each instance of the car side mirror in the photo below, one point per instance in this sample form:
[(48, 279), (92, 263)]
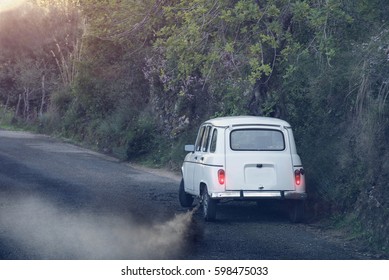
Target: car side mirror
[(189, 148)]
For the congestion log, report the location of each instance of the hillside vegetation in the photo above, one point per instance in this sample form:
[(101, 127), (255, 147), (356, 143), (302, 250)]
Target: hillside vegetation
[(135, 78)]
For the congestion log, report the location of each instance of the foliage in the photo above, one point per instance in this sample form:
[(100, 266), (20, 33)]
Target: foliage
[(217, 57), (36, 45)]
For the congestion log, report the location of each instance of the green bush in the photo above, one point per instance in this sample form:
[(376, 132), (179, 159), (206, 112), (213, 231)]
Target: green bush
[(6, 116), (142, 138)]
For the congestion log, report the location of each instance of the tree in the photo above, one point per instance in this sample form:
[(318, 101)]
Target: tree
[(37, 45), (229, 57)]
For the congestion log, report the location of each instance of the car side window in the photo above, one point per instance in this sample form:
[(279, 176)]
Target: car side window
[(212, 147), (199, 139), (205, 142)]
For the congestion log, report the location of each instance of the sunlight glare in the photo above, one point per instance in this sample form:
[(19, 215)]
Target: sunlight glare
[(6, 5)]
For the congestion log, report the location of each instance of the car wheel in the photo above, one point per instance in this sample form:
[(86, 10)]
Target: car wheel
[(186, 200), (296, 211), (208, 205)]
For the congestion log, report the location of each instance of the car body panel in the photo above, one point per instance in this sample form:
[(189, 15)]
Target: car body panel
[(249, 174)]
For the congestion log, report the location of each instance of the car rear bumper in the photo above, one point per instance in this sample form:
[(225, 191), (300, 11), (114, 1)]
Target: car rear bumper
[(260, 195)]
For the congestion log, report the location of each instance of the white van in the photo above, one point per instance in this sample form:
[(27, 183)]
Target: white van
[(244, 158)]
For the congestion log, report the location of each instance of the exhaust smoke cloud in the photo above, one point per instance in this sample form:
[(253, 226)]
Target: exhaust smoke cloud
[(48, 232)]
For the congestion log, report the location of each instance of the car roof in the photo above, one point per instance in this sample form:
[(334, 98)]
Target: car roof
[(247, 120)]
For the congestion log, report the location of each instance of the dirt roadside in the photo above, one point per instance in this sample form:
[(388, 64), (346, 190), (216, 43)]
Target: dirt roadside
[(157, 171)]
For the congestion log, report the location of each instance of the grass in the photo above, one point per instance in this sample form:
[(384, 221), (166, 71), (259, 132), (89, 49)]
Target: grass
[(354, 230)]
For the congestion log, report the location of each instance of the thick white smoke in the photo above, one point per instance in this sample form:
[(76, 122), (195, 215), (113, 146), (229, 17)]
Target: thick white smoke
[(48, 232)]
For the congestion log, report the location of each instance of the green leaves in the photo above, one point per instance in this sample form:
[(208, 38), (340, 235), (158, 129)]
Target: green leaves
[(246, 10), (258, 70), (223, 44)]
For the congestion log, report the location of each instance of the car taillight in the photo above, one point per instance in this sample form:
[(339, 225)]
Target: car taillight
[(297, 177), (221, 176)]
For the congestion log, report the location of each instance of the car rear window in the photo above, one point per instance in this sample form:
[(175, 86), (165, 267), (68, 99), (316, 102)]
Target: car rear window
[(257, 140)]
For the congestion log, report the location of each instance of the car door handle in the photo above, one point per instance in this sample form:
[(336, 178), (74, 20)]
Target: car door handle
[(202, 158)]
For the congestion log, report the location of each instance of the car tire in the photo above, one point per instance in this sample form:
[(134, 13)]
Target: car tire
[(186, 200), (208, 205), (296, 211)]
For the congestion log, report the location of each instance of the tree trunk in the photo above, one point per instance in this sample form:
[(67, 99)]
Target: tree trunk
[(17, 107), (26, 99), (43, 96)]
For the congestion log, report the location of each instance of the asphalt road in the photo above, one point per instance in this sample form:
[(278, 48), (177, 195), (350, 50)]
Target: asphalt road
[(60, 201)]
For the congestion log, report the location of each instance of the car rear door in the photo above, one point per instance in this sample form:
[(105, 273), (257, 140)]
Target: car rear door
[(258, 158), (200, 153)]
